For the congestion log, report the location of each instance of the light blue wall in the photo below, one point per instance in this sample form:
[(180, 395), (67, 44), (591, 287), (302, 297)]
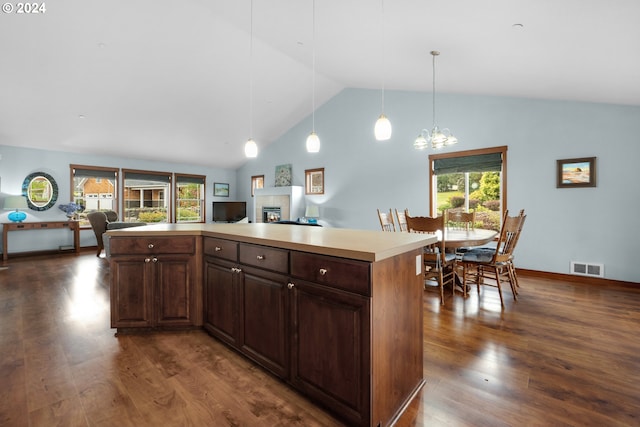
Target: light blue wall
[(16, 163), (595, 225)]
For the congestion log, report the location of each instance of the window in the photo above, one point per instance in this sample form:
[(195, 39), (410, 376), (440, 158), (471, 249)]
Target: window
[(470, 180), (146, 196), (257, 181), (94, 188), (189, 198)]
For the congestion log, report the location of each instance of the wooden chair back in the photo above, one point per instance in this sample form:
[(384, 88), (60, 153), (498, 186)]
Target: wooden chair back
[(386, 221), (439, 266), (509, 235), (428, 225), (459, 220), (402, 221)]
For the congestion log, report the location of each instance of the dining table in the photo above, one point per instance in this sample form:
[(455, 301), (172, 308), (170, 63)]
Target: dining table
[(454, 239), (458, 238)]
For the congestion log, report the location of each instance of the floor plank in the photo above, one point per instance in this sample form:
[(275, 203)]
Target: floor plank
[(564, 354)]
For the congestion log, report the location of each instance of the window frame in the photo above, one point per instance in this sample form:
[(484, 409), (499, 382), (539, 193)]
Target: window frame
[(101, 170), (167, 197), (190, 178), (254, 183), (503, 174)]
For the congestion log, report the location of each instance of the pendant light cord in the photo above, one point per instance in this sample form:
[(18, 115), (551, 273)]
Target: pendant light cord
[(383, 53), (434, 53), (251, 74), (313, 64)]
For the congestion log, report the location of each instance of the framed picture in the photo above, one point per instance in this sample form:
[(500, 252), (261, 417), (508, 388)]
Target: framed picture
[(314, 181), (576, 172), (220, 189), (257, 181), (283, 175)]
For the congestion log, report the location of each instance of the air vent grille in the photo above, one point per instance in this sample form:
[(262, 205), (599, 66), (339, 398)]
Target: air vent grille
[(587, 269)]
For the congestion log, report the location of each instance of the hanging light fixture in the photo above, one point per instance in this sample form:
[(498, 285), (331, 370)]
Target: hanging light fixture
[(438, 138), (313, 142), (382, 129), (250, 147)]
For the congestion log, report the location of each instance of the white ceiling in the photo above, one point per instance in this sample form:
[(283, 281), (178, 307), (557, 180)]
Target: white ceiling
[(169, 80)]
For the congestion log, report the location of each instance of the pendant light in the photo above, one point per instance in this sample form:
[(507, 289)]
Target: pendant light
[(437, 138), (313, 142), (382, 129), (250, 147)]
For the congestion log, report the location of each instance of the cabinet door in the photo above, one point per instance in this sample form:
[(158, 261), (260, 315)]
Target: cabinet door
[(330, 350), (131, 292), (221, 300), (264, 322), (174, 290)]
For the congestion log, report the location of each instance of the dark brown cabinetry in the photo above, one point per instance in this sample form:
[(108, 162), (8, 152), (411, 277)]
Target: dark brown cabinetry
[(335, 313), (246, 306), (154, 282), (330, 350), (307, 322)]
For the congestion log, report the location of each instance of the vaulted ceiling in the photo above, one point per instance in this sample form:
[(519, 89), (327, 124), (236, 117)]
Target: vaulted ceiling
[(170, 80)]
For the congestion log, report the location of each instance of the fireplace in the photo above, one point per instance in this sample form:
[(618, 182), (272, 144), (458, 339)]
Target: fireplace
[(271, 213), (288, 200)]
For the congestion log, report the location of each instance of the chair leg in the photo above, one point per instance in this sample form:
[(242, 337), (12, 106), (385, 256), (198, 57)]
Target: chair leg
[(99, 250), (499, 286), (441, 286), (513, 280)]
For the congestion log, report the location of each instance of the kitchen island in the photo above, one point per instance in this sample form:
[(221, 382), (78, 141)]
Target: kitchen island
[(335, 313)]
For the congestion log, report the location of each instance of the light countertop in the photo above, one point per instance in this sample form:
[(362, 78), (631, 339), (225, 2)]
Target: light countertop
[(365, 245)]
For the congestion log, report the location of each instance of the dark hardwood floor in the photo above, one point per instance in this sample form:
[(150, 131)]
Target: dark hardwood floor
[(565, 354)]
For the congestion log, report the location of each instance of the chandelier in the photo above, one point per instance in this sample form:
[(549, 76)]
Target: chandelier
[(437, 137)]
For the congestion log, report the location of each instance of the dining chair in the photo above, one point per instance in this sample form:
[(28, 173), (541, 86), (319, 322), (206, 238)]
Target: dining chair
[(402, 221), (438, 264), (460, 220), (386, 221), (496, 263), (512, 267)]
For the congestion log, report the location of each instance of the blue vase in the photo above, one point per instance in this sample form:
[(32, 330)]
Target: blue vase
[(17, 216)]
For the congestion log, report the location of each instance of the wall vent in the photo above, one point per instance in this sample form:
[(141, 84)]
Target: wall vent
[(587, 269)]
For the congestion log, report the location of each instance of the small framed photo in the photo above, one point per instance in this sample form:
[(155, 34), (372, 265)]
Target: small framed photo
[(220, 189), (573, 173), (314, 181)]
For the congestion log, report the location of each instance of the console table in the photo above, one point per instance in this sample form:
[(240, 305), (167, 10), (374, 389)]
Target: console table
[(43, 225)]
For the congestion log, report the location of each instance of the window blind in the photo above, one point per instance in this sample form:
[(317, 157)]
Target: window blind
[(491, 162)]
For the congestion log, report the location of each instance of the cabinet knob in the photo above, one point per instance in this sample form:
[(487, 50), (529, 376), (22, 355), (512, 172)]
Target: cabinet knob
[(147, 260), (260, 257), (218, 249), (155, 260), (323, 271), (290, 285), (150, 246)]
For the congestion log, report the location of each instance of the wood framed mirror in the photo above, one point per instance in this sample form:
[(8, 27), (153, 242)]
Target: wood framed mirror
[(41, 191)]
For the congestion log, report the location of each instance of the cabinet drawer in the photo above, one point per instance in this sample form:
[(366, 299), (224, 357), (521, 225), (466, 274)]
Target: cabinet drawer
[(265, 257), (346, 274), (221, 248), (152, 245)]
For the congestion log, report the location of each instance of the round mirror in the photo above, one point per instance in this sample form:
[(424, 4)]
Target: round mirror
[(41, 191)]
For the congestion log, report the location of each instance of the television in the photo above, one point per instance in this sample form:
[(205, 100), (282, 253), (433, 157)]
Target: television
[(229, 211)]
